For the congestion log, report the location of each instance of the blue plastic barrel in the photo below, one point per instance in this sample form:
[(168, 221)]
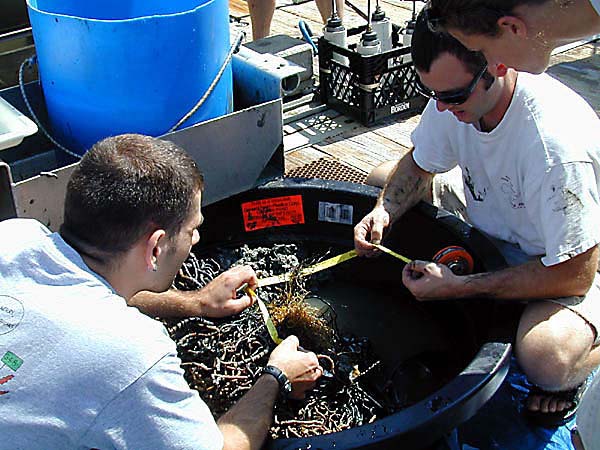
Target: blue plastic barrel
[(120, 66)]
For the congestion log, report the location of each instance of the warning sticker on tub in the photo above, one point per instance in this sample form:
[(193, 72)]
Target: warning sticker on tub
[(273, 212)]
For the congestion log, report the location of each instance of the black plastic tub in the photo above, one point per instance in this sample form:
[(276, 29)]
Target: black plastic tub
[(310, 212)]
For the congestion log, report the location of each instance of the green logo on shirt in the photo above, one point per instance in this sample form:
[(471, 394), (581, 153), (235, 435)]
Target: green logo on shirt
[(12, 360)]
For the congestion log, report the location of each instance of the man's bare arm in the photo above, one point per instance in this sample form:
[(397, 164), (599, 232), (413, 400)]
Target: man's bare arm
[(173, 303), (218, 298), (406, 185), (246, 424), (431, 281), (534, 280)]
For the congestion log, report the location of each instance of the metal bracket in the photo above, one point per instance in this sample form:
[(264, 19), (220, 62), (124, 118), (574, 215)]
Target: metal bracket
[(236, 152), (8, 207)]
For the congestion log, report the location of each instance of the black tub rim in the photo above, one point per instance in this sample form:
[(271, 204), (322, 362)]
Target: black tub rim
[(482, 248), (412, 426)]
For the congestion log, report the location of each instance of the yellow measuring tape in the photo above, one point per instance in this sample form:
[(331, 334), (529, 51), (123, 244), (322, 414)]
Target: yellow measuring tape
[(266, 317), (393, 253), (325, 264)]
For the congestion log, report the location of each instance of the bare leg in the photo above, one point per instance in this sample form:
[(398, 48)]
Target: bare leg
[(325, 8), (554, 348), (261, 14)]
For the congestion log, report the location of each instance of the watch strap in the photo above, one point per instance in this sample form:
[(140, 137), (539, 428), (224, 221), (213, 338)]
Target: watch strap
[(285, 387)]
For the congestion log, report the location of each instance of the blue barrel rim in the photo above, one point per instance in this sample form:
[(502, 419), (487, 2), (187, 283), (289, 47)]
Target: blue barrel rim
[(133, 19), (75, 118)]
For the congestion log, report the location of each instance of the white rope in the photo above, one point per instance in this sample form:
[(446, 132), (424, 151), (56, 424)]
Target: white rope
[(30, 62), (234, 48)]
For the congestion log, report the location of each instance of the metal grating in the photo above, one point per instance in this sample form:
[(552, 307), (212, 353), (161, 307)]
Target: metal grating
[(328, 169)]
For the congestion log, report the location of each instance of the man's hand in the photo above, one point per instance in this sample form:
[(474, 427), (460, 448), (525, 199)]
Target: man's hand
[(246, 424), (369, 231), (431, 281), (301, 368), (219, 297)]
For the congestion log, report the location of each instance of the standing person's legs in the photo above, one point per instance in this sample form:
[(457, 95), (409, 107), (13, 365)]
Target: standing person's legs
[(261, 14), (325, 7)]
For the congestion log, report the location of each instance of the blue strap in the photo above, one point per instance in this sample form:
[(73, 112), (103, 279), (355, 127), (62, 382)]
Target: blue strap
[(307, 35)]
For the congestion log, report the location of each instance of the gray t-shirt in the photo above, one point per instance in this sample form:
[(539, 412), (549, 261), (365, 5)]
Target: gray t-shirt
[(79, 368)]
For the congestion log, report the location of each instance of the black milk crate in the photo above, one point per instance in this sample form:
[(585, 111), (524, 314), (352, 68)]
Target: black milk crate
[(370, 88)]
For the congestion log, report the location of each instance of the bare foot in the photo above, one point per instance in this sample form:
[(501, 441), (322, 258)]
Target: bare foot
[(546, 403)]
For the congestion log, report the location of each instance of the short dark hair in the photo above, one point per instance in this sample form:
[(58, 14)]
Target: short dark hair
[(122, 188), (473, 16), (427, 46)]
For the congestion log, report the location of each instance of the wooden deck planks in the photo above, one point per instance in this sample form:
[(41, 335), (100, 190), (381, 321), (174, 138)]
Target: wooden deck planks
[(579, 69), (319, 128), (299, 158), (286, 17), (238, 8), (286, 22), (399, 131), (318, 121), (363, 150), (329, 134)]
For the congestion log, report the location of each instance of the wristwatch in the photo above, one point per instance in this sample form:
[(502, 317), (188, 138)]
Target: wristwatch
[(285, 387)]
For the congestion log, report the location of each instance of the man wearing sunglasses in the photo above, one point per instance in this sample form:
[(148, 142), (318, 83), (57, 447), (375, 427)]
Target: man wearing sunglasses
[(518, 33), (456, 96), (529, 150)]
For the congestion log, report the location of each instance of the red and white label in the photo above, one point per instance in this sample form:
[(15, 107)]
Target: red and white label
[(273, 212)]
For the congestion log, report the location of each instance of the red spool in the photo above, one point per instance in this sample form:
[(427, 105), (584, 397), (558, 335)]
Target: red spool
[(456, 258)]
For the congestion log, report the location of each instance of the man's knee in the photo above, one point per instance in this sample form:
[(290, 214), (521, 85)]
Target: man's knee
[(379, 175), (544, 361), (552, 343)]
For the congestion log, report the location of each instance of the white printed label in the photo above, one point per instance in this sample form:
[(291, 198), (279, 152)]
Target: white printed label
[(400, 107), (395, 61), (335, 212)]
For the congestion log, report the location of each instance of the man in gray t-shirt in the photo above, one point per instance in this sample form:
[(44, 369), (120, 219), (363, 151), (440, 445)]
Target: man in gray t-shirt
[(82, 369)]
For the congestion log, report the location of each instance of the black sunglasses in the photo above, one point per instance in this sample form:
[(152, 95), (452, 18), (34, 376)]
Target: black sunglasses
[(434, 22), (437, 23), (455, 96)]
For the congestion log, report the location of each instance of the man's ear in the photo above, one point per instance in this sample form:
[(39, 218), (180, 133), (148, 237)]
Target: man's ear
[(153, 249), (513, 26), (500, 70)]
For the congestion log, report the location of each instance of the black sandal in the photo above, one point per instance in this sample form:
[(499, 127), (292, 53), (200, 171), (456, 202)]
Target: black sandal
[(558, 418)]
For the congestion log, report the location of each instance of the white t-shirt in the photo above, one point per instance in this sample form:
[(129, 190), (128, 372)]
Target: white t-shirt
[(534, 179), (80, 369), (596, 5)]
